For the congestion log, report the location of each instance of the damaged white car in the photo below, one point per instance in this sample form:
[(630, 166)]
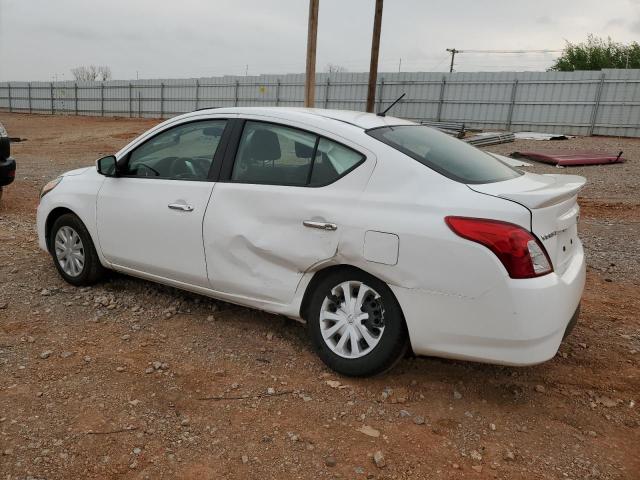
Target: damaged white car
[(381, 234)]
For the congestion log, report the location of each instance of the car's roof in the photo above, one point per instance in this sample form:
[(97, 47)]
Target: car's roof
[(359, 119)]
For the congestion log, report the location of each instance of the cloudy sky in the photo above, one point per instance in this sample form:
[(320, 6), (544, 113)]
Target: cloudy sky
[(44, 39)]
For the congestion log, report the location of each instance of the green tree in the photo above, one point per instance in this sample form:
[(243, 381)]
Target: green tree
[(596, 54)]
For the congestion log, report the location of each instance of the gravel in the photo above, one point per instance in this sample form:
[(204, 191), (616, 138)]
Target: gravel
[(78, 417)]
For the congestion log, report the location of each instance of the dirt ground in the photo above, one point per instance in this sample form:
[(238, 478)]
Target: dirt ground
[(133, 380)]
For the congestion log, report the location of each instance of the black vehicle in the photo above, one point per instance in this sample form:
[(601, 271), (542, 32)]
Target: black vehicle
[(7, 164)]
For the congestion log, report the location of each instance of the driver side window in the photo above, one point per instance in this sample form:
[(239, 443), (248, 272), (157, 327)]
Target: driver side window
[(184, 152)]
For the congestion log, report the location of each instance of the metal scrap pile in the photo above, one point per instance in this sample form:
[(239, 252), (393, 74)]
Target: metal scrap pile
[(490, 138), (455, 129)]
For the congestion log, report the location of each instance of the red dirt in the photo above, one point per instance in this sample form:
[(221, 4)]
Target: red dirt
[(83, 411)]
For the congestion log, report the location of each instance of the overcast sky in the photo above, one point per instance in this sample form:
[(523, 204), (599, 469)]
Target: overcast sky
[(44, 39)]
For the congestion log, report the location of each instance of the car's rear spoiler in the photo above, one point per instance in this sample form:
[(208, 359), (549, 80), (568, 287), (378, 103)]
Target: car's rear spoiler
[(535, 191)]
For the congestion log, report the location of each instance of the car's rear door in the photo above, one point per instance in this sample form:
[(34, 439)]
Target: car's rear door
[(149, 219), (276, 212)]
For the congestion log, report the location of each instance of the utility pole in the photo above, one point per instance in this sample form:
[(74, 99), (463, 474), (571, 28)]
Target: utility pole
[(375, 50), (399, 65), (312, 36), (453, 52)]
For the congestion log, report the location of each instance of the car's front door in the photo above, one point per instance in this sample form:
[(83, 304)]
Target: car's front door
[(150, 216), (278, 209)]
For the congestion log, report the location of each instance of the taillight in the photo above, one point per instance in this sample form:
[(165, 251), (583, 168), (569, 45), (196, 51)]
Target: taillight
[(519, 251)]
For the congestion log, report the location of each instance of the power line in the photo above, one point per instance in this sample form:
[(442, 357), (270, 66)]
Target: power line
[(453, 52), (508, 51)]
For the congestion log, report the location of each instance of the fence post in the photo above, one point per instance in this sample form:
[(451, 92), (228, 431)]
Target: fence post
[(443, 85), (512, 103), (75, 97), (9, 94), (161, 100), (277, 92), (380, 94), (139, 105), (51, 94), (236, 93), (130, 102), (102, 99), (326, 93), (594, 112), (197, 94), (29, 95)]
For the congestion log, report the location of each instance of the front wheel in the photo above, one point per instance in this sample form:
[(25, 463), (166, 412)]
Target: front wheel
[(73, 251), (356, 324)]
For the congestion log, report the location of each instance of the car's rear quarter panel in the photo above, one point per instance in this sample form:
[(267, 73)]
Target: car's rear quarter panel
[(457, 297)]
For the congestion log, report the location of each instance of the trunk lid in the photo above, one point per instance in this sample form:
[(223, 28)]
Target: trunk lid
[(552, 201)]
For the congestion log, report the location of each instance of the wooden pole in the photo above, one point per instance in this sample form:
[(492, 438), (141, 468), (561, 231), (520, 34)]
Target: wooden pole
[(312, 36), (375, 50)]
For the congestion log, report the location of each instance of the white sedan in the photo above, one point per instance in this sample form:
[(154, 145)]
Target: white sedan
[(380, 233)]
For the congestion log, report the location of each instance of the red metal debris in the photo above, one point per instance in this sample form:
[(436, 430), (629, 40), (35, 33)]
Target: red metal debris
[(564, 158)]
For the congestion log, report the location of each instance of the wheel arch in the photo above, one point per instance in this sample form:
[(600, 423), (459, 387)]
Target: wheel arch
[(51, 218), (321, 274)]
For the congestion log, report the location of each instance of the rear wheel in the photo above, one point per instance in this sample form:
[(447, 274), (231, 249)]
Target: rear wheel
[(356, 324), (73, 252)]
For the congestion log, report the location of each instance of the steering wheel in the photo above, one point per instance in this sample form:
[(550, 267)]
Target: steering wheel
[(156, 172), (182, 168)]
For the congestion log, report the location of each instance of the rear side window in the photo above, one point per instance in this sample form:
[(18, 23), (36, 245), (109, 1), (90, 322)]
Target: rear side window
[(332, 161), (273, 154), (281, 155), (449, 156)]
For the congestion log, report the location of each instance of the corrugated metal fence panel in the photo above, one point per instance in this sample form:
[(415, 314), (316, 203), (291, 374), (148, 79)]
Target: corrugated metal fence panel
[(619, 111), (548, 101), (580, 103)]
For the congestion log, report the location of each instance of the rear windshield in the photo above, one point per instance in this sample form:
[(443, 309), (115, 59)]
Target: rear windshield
[(449, 156)]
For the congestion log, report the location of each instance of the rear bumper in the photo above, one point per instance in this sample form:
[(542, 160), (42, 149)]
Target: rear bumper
[(521, 322)]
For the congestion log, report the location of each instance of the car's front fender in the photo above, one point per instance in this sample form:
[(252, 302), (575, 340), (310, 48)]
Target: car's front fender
[(76, 193)]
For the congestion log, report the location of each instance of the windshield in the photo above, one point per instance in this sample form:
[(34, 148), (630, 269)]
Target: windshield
[(449, 156)]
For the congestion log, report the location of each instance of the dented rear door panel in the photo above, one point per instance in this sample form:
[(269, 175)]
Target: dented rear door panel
[(255, 242)]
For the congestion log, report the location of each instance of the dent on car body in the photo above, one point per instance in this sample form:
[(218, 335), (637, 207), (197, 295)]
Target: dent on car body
[(265, 254)]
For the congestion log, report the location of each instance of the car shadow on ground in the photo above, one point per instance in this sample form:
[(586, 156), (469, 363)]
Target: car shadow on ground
[(499, 384)]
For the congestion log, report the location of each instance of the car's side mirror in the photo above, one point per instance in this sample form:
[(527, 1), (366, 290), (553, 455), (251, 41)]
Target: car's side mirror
[(107, 166)]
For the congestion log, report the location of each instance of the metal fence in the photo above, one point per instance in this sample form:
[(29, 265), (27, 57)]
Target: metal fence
[(578, 103)]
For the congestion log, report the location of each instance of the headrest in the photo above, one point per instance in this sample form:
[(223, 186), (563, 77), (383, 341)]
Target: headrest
[(264, 145)]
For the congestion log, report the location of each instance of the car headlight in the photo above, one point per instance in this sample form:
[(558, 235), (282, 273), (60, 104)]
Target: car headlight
[(50, 186)]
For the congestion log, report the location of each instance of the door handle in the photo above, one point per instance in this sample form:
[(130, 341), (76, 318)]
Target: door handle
[(320, 225), (180, 206)]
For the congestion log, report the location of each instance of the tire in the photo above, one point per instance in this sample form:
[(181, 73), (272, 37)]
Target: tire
[(78, 273), (378, 314)]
